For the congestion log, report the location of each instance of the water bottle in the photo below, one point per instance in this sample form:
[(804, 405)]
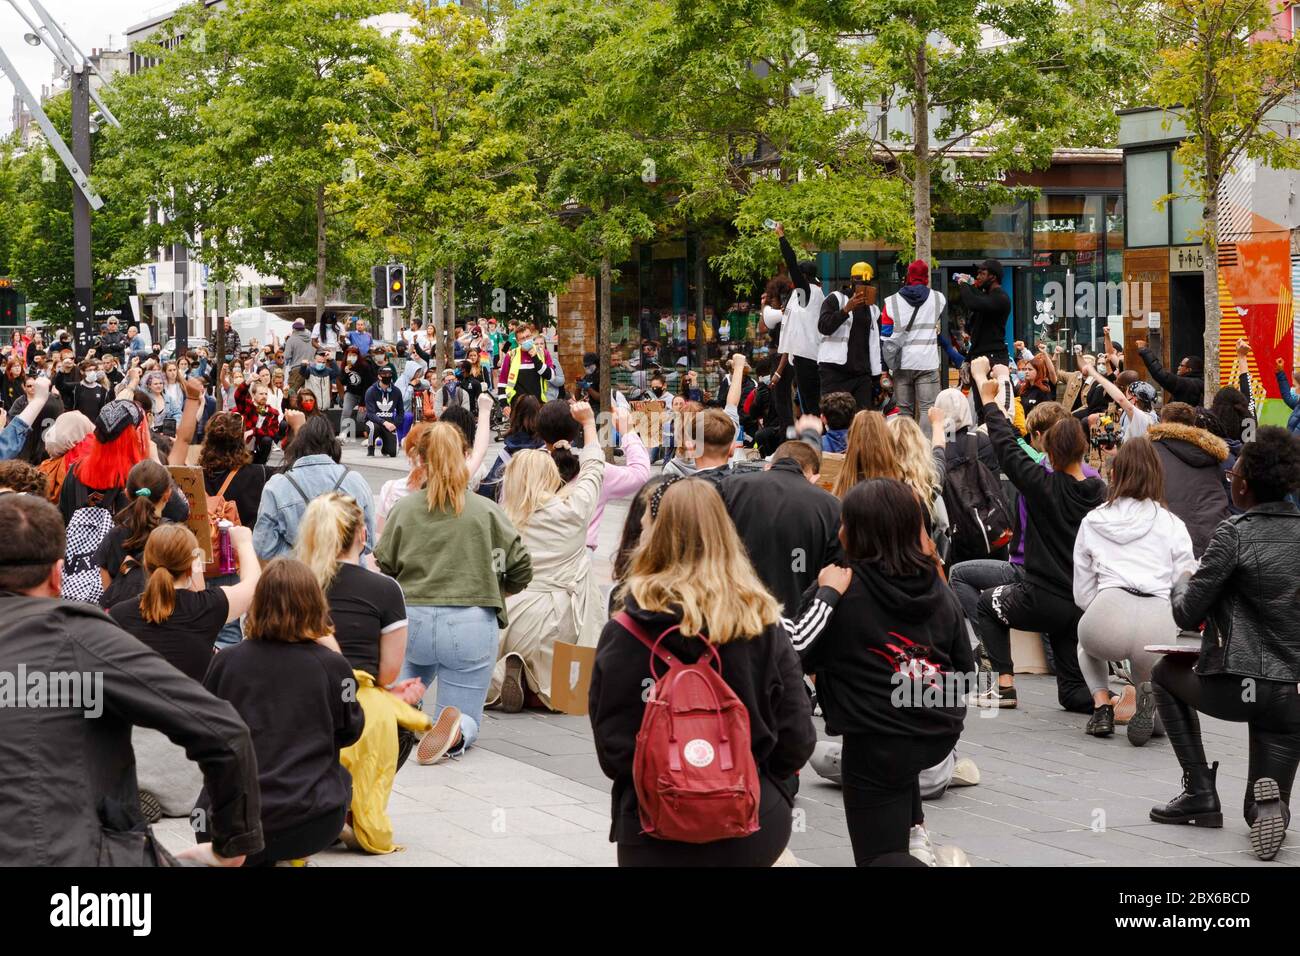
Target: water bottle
[(225, 548)]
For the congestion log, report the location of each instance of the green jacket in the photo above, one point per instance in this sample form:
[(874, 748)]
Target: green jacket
[(441, 559)]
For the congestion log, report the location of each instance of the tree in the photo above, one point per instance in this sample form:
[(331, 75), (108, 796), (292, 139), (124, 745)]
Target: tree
[(1224, 74), (40, 256)]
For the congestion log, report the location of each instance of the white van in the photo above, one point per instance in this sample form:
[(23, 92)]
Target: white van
[(258, 323)]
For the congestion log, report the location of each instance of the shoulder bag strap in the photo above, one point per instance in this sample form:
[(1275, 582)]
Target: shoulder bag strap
[(226, 484)]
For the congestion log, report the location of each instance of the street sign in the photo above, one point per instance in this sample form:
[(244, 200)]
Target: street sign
[(1186, 259)]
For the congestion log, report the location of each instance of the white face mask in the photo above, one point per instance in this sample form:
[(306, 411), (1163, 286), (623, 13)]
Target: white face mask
[(92, 377)]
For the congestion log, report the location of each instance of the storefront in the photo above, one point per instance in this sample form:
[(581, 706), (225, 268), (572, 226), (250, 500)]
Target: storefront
[(1062, 253)]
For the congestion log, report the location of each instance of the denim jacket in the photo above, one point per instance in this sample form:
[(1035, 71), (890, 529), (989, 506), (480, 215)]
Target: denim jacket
[(282, 506), (13, 438)]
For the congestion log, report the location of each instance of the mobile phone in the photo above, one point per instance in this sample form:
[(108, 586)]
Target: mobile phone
[(769, 224)]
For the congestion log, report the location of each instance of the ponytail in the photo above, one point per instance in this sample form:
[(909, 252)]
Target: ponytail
[(566, 461), (159, 598), (146, 485)]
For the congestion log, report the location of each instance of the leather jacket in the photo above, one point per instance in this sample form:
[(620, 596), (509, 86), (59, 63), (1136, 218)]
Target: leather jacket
[(68, 796), (1247, 592)]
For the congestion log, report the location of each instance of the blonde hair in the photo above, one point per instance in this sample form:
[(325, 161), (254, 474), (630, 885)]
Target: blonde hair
[(447, 474), (532, 481), (328, 528), (692, 562), (868, 453), (914, 460)]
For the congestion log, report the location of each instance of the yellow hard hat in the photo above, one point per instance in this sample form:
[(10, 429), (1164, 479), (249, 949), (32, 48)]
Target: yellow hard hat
[(863, 271)]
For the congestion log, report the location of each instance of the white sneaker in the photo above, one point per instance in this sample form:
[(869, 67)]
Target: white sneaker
[(826, 760), (965, 773), (949, 855), (919, 845)]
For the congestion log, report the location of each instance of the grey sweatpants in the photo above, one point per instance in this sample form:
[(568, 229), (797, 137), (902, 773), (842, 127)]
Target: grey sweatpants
[(915, 393), (1115, 627)]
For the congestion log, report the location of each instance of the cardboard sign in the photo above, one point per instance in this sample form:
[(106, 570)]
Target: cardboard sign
[(831, 464), (571, 668), (190, 481), (647, 421)]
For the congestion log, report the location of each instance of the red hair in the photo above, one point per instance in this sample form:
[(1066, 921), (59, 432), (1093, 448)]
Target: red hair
[(104, 466)]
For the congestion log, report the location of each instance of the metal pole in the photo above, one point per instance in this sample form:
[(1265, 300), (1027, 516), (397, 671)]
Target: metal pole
[(83, 281)]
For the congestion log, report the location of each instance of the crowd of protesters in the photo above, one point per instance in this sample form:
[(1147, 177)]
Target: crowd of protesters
[(832, 532)]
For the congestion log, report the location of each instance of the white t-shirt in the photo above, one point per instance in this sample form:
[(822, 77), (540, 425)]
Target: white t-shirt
[(1136, 426)]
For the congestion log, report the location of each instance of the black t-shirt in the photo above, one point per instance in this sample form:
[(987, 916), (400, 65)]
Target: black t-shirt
[(245, 490), (89, 399), (112, 550), (364, 605), (185, 640)]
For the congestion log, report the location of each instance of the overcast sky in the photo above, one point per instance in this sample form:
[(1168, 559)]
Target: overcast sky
[(90, 23)]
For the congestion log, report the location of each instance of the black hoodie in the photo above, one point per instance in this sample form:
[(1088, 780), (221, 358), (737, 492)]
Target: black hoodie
[(880, 625), (763, 672), (1055, 502)]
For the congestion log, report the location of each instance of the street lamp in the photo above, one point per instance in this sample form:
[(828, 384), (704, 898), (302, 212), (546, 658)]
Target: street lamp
[(32, 39)]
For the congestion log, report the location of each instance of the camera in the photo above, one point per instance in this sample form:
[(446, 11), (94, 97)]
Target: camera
[(1104, 435)]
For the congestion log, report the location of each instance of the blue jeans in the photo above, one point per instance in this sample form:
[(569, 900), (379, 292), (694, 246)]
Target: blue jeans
[(231, 634), (458, 647)]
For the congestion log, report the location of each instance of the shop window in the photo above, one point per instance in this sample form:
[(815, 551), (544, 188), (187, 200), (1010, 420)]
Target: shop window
[(1147, 179)]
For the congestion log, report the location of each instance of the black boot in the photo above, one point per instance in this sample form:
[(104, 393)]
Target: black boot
[(1102, 721), (1198, 804), (1269, 817)]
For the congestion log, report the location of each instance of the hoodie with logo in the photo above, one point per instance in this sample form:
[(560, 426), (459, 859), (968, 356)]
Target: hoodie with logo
[(1136, 545), (887, 638)]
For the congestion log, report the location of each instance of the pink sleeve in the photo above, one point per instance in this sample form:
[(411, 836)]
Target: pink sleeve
[(621, 481)]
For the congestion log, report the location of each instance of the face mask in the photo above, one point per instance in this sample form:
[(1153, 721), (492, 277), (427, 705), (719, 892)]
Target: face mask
[(386, 380), (525, 346), (92, 377), (352, 360), (319, 367), (591, 370), (658, 391)]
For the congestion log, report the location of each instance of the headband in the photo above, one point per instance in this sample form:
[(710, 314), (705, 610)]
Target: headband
[(657, 498)]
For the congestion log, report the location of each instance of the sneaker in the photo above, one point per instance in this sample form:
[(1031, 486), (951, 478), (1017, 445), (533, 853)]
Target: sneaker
[(441, 737), (949, 855), (825, 760), (1125, 705), (1102, 721), (965, 773), (150, 806), (1003, 698), (1268, 830), (919, 845), (512, 685), (1143, 723)]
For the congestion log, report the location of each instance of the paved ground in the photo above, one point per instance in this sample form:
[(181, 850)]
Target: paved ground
[(532, 794)]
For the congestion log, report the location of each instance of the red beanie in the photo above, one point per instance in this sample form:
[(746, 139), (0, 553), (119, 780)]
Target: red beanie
[(918, 273)]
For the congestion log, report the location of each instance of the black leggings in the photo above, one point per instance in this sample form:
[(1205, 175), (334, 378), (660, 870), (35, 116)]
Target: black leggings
[(809, 380), (296, 842), (758, 849), (882, 797), (388, 438), (1269, 708), (1029, 608)]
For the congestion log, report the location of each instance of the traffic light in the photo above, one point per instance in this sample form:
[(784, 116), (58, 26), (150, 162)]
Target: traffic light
[(397, 287), (379, 295)]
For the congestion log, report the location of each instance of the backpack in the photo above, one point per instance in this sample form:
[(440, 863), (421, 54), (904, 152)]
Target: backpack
[(694, 772), (87, 528), (492, 483), (220, 509), (979, 522)]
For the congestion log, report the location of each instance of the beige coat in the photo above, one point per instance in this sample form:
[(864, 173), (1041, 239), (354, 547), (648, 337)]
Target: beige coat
[(563, 601)]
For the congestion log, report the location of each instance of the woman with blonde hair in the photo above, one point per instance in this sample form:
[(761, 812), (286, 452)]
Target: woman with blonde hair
[(562, 603), (869, 452), (693, 576), (179, 617), (457, 557), (922, 465), (396, 489)]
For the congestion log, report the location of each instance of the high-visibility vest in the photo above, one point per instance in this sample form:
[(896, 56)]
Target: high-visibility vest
[(514, 374)]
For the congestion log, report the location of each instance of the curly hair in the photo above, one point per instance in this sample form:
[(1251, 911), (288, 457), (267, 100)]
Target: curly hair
[(223, 444), (1270, 464), (23, 478)]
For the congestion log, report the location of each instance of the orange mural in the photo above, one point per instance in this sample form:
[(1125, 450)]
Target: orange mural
[(1256, 299)]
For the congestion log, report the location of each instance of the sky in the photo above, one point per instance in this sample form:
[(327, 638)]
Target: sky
[(90, 23)]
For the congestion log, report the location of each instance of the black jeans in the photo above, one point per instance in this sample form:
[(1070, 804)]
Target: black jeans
[(388, 438), (808, 378), (862, 387), (882, 797), (296, 842), (781, 400), (1269, 708), (762, 848), (971, 578), (1030, 608)]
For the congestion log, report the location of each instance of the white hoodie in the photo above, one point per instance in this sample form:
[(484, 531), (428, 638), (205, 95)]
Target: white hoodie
[(1130, 544)]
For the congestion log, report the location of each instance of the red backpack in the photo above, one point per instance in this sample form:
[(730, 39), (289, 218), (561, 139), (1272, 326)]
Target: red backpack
[(694, 771)]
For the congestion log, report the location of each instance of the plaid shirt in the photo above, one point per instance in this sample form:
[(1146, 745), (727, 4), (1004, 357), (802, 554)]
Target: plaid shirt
[(270, 419)]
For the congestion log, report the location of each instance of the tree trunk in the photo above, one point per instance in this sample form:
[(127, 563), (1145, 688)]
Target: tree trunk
[(1210, 272), (439, 326), (921, 156), (602, 334), (321, 247)]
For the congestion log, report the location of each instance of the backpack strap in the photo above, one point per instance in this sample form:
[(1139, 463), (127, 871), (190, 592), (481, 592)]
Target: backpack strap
[(296, 487), (339, 484), (632, 627), (221, 492)]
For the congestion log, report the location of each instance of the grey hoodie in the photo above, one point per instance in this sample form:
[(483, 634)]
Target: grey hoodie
[(298, 349)]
